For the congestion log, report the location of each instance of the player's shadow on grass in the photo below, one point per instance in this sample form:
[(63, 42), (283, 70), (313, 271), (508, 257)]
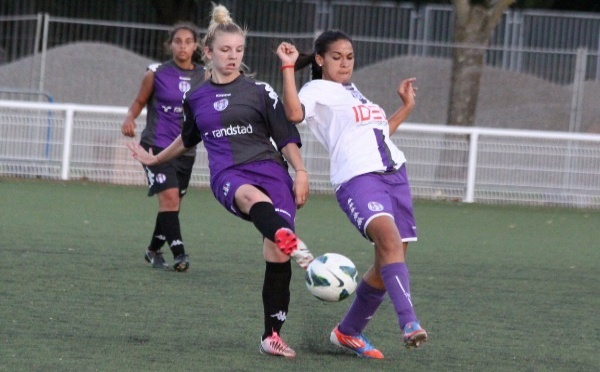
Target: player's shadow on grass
[(315, 338)]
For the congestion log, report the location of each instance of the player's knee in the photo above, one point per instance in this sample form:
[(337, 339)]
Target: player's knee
[(169, 200)]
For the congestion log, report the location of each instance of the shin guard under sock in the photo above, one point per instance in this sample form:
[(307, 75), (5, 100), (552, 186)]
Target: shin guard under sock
[(267, 220), (276, 295), (169, 222), (396, 279), (158, 238)]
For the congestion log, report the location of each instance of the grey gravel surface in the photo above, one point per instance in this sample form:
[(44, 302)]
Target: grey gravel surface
[(102, 74)]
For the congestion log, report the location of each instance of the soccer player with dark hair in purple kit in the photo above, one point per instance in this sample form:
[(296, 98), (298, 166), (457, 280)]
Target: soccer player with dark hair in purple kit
[(162, 91), (247, 135)]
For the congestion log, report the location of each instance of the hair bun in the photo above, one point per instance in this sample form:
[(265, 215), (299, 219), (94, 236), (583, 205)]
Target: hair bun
[(221, 15)]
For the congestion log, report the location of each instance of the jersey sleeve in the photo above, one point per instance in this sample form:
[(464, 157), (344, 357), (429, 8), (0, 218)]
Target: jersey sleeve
[(153, 67), (282, 131), (189, 131), (308, 99)]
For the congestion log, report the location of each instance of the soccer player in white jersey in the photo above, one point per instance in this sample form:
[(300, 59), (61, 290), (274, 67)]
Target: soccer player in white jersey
[(367, 173)]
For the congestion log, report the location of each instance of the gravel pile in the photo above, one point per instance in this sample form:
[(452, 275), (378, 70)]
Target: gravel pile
[(86, 73), (102, 74)]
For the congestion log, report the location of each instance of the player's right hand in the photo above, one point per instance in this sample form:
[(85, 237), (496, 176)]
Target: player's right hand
[(141, 155), (128, 127), (287, 53)]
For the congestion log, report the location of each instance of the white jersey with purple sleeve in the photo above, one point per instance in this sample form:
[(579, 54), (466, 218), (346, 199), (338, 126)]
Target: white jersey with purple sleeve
[(165, 110), (354, 130), (238, 122)]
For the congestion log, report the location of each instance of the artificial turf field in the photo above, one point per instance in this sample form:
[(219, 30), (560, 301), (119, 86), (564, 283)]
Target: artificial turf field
[(497, 288)]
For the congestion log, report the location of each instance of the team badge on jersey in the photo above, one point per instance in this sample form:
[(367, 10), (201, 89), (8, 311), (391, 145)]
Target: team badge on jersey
[(221, 104), (375, 206), (184, 86), (355, 93), (358, 95)]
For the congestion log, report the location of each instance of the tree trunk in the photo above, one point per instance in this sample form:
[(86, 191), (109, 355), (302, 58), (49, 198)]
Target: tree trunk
[(471, 40), (473, 26), (474, 22)]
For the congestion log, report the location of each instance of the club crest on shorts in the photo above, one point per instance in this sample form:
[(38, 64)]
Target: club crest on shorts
[(221, 104), (160, 178), (375, 206), (226, 187)]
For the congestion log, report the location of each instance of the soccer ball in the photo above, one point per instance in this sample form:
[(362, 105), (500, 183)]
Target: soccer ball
[(331, 277)]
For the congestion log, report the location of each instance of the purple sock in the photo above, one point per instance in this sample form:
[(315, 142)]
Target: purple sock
[(396, 279), (363, 307)]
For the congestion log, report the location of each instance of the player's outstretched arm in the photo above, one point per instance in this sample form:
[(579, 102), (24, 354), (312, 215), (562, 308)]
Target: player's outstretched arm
[(407, 93), (175, 150), (288, 54)]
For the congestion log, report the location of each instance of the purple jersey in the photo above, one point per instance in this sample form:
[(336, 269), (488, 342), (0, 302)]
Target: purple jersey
[(240, 122), (164, 117)]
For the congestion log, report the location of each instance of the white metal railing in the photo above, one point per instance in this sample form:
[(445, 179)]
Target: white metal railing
[(70, 141)]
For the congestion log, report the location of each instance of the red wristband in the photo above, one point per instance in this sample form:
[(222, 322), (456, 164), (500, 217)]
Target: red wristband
[(286, 66)]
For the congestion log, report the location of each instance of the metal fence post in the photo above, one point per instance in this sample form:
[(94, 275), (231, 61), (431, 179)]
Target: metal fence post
[(598, 58), (68, 138), (323, 16), (472, 167), (36, 45), (44, 50), (578, 88)]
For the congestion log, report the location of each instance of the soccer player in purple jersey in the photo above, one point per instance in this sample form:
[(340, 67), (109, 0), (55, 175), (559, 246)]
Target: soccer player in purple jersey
[(162, 91), (368, 175), (247, 135)]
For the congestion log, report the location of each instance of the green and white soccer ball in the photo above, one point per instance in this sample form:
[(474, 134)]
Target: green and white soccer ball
[(331, 277)]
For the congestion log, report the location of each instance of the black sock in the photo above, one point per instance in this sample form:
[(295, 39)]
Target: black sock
[(276, 295), (169, 222), (267, 220), (158, 239)]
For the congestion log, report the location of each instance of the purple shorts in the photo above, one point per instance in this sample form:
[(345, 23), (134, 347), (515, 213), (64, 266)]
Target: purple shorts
[(270, 177), (372, 195)]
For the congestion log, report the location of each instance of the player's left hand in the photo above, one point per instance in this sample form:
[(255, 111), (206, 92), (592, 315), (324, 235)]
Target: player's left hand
[(407, 91)]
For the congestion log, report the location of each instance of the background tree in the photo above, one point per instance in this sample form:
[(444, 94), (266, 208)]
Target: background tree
[(474, 22)]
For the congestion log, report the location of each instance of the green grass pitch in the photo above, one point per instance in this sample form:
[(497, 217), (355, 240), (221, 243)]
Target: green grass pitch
[(497, 288)]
